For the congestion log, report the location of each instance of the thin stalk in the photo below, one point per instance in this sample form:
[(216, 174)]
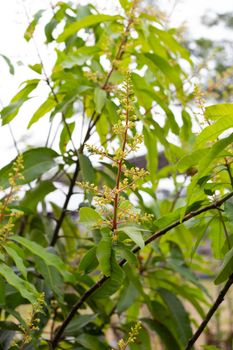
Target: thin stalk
[(120, 163)]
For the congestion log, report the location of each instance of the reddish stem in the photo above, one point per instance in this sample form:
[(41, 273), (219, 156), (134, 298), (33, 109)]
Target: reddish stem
[(120, 163)]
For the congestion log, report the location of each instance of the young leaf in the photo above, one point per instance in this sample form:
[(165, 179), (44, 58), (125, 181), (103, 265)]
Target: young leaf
[(212, 131), (220, 110), (85, 22), (89, 217), (157, 62), (99, 99), (9, 112), (66, 133), (46, 107), (32, 26), (36, 67), (135, 234)]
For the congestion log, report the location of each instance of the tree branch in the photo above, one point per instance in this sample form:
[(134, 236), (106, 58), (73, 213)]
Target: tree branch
[(210, 313), (152, 238)]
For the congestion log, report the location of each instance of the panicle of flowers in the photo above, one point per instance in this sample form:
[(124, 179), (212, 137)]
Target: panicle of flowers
[(7, 215), (32, 323), (133, 333), (199, 99), (108, 200)]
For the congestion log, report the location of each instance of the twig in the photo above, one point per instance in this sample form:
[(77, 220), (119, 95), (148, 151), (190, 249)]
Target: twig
[(13, 138), (64, 208), (210, 313), (152, 238)]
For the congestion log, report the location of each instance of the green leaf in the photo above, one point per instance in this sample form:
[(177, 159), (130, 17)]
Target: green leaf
[(228, 210), (3, 295), (14, 252), (157, 62), (178, 313), (103, 253), (164, 333), (36, 162), (49, 258), (89, 261), (99, 99), (135, 234), (141, 88), (65, 137), (10, 65), (87, 169), (9, 112), (45, 108), (226, 269), (126, 253), (76, 325), (126, 4), (150, 140), (52, 278), (32, 26), (127, 296), (36, 67), (26, 289), (85, 22), (220, 110), (191, 159), (212, 131), (205, 162), (91, 342), (171, 43), (114, 282), (37, 194), (89, 217), (213, 153)]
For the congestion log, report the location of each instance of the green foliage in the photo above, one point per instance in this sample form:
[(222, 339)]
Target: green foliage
[(124, 251)]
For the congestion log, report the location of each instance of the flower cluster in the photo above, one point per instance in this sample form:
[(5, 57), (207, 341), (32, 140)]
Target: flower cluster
[(134, 331), (32, 323), (7, 215), (109, 200)]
